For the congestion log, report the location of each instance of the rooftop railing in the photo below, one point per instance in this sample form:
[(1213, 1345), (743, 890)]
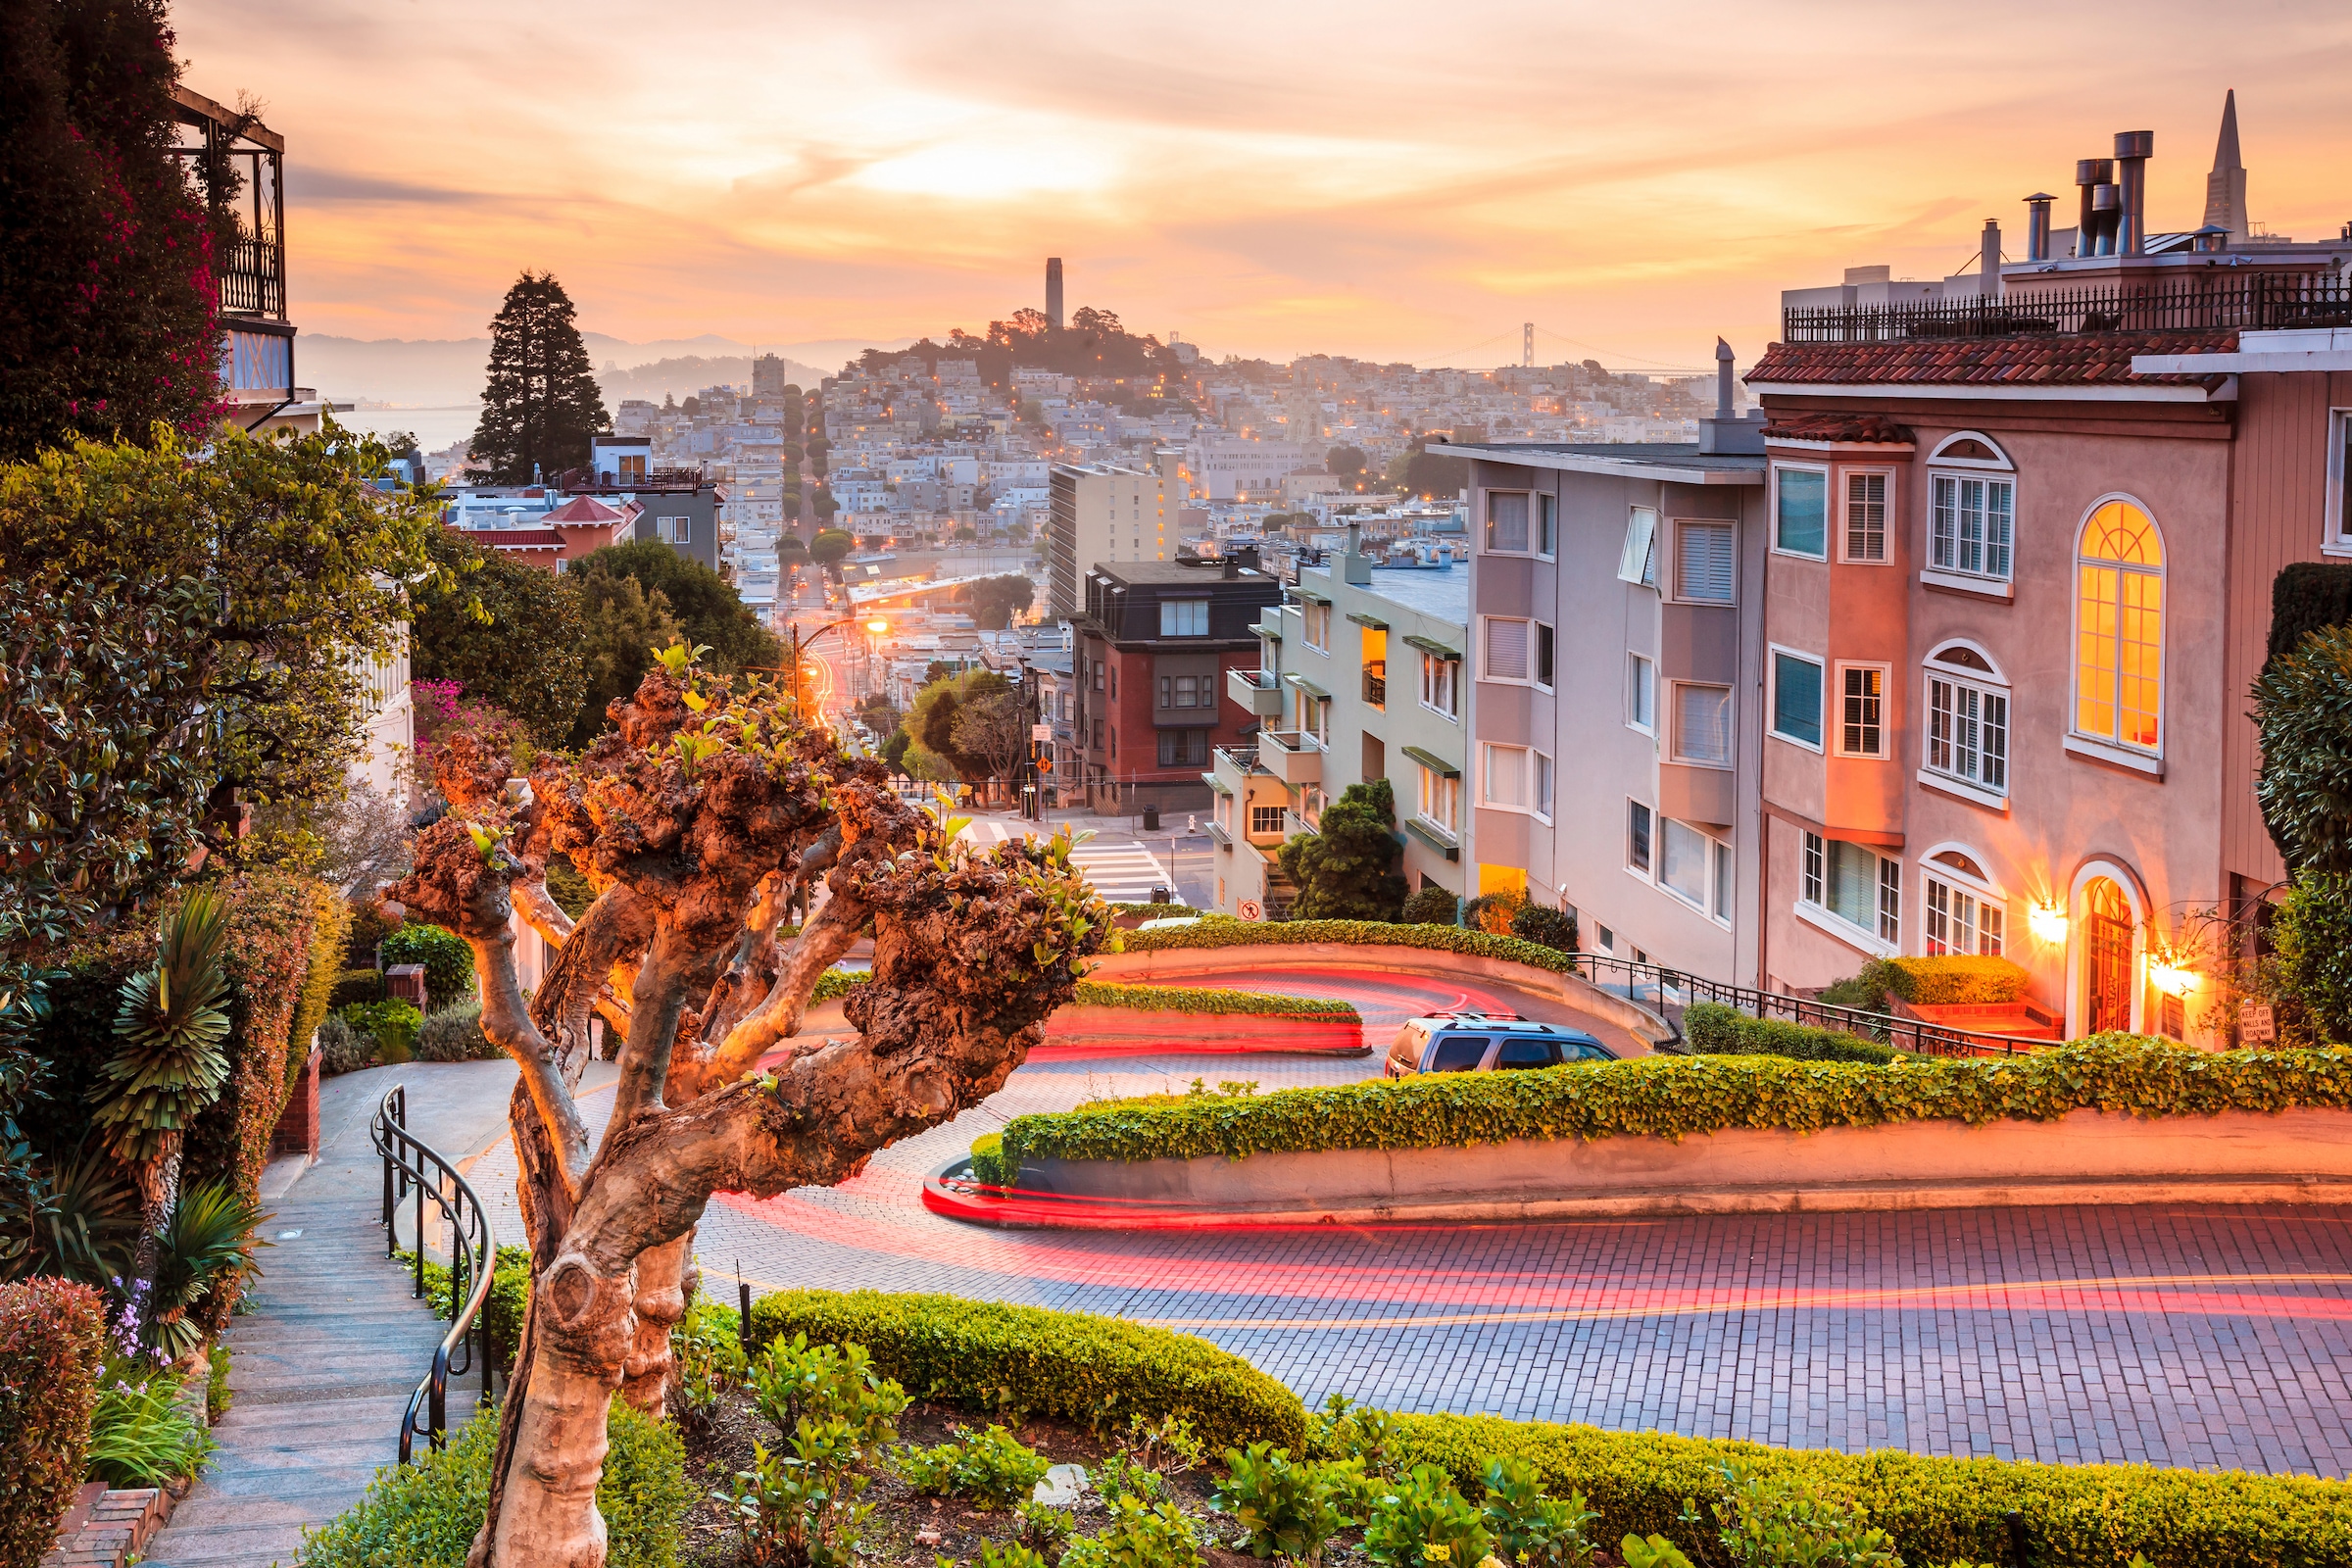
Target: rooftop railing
[(2244, 300)]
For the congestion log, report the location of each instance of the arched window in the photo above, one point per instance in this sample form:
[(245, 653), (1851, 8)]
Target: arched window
[(2119, 628), (1972, 509)]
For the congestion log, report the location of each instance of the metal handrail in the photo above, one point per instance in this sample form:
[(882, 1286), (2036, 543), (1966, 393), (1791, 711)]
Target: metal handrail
[(410, 1163), (1668, 991)]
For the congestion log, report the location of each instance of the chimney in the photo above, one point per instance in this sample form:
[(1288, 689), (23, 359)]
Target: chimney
[(2133, 150), (2106, 218), (1725, 399), (1353, 568), (2091, 174), (2037, 225), (1727, 434), (1988, 284), (1233, 569)]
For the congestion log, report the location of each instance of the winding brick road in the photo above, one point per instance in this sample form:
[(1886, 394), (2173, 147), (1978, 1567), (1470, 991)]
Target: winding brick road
[(2178, 1335)]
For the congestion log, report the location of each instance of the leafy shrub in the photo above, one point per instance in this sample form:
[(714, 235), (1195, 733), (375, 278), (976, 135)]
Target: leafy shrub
[(392, 1025), (2311, 934), (204, 1256), (1714, 1030), (2303, 724), (1768, 1521), (1346, 1430), (1139, 1536), (216, 1383), (1122, 1475), (425, 1515), (1289, 1509), (994, 1469), (1431, 904), (1530, 1527), (51, 1334), (706, 1355), (1674, 1096), (988, 1162), (984, 1356), (1423, 1520), (797, 1384), (1951, 980), (801, 1511), (1496, 913), (343, 1050), (1545, 927), (837, 983), (139, 1435), (454, 1034), (331, 930), (447, 962), (503, 1309)]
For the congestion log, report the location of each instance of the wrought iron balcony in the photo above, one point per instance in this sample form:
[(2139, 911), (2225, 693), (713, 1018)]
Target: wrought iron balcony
[(2243, 301)]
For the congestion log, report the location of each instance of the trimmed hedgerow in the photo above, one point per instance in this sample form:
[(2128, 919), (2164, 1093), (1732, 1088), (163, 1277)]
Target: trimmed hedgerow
[(425, 1515), (1939, 1510), (1671, 1097), (52, 1334), (1357, 933), (991, 1357), (1951, 980), (1146, 999), (1711, 1029), (988, 1160)]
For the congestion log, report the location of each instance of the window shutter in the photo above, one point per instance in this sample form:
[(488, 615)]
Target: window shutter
[(1506, 650), (1702, 727), (1703, 566)]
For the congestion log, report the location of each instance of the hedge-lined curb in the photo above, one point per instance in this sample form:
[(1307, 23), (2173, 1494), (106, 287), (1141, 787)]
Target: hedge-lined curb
[(1674, 1096), (1939, 1510), (51, 1337), (1455, 939), (1143, 999), (1711, 1029), (1097, 1371)]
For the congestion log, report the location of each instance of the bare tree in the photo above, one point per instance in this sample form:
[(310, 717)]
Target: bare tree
[(698, 820)]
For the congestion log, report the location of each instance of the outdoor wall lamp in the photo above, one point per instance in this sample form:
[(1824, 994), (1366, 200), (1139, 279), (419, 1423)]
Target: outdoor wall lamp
[(2047, 922), (2171, 978)]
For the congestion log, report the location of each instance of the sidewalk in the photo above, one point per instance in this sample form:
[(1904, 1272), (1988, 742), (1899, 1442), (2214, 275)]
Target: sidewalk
[(325, 1364)]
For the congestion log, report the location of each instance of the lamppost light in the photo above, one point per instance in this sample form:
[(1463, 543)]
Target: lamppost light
[(2047, 922)]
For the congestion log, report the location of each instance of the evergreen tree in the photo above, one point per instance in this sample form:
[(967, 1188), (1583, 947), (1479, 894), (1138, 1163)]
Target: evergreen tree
[(109, 307), (1344, 871), (509, 633), (542, 403)]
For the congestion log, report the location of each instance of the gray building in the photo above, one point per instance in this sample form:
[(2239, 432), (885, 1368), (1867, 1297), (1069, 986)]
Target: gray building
[(680, 509)]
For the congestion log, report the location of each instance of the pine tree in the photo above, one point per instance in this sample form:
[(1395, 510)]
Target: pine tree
[(1344, 871), (542, 403)]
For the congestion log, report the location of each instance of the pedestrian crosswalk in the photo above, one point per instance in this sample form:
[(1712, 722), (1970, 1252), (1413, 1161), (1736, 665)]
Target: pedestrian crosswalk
[(1121, 873)]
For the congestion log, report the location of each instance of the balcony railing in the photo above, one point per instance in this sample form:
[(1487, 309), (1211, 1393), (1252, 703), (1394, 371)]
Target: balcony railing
[(1376, 689), (2244, 301), (253, 277)]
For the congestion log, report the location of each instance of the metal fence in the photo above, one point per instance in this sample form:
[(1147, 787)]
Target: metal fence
[(414, 1167), (2241, 300)]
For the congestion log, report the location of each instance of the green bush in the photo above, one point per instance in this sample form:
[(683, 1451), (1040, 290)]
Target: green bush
[(1204, 1000), (1139, 1536), (503, 1309), (837, 983), (1545, 927), (51, 1336), (341, 1049), (1422, 1519), (354, 986), (995, 1470), (1712, 1029), (993, 1357), (392, 1025), (1673, 1096), (447, 962), (988, 1162), (1356, 933), (139, 1434), (425, 1515), (2312, 933), (1289, 1509), (1531, 1527), (1955, 980), (454, 1034), (1431, 904)]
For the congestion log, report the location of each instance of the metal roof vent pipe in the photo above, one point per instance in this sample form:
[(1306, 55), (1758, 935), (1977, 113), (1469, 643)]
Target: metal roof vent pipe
[(2211, 240), (2037, 225), (2133, 150), (1726, 399), (2090, 174), (2106, 219), (1988, 281), (1727, 434)]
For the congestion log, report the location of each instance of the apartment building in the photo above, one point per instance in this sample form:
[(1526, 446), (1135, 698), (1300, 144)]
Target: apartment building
[(1099, 513), (1152, 642), (1359, 677), (2018, 579)]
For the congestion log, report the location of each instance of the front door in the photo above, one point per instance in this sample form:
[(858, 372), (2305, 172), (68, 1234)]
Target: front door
[(2107, 965)]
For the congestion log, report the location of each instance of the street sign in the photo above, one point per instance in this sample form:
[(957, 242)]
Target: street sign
[(1251, 910), (2257, 1024), (1041, 733)]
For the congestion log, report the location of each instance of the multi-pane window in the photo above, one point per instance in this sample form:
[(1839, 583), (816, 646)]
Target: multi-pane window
[(2339, 481), (1636, 836), (1702, 725), (1187, 691), (1702, 561), (1506, 649), (1506, 521), (1440, 803), (2119, 628), (1264, 820), (1800, 514), (1796, 698), (1970, 523), (1183, 748), (1315, 619), (1440, 683), (1968, 731), (1866, 516), (1547, 525), (1961, 921), (1847, 880), (1184, 618), (1862, 710), (1641, 693)]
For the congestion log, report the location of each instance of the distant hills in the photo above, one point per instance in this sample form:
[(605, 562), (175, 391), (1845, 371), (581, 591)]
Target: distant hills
[(444, 372)]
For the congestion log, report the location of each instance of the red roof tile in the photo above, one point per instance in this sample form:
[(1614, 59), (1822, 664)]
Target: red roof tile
[(2055, 360), (584, 510), (517, 538), (1875, 429)]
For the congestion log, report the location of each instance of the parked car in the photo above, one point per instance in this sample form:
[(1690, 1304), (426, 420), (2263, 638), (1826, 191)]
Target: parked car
[(1486, 1041)]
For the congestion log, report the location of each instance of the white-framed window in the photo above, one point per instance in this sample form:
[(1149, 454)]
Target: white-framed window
[(1314, 619), (1506, 650), (1866, 513), (1702, 725), (1726, 879), (1861, 710), (1641, 694), (1971, 524), (1962, 911), (1264, 820), (1441, 684), (1695, 866), (1543, 644), (1801, 510), (1854, 885), (1797, 696), (2119, 628), (2338, 539), (1184, 618), (1638, 563), (1440, 801), (1188, 691), (1547, 525), (1544, 781), (1506, 777), (1966, 737), (1702, 562), (1507, 523), (1639, 820), (674, 530)]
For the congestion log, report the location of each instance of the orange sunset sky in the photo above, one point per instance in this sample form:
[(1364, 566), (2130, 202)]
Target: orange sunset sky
[(1392, 180)]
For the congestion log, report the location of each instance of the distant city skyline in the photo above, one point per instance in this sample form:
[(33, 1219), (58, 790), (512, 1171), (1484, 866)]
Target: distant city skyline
[(1369, 180)]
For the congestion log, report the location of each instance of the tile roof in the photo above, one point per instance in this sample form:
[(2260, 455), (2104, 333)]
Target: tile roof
[(517, 538), (1871, 428), (2051, 359), (584, 510)]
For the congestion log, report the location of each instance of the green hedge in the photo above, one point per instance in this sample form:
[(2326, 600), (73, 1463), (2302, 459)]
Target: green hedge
[(1355, 933), (1712, 1029), (1955, 980), (52, 1334), (502, 1308), (2308, 596), (1671, 1096), (1150, 999), (993, 1357), (425, 1515), (1939, 1510)]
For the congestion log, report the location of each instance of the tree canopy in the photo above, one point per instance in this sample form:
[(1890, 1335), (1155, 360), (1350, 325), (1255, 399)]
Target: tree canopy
[(542, 403), (1345, 870), (1346, 462), (2303, 717), (109, 299), (708, 610), (995, 601), (622, 624), (1426, 470), (508, 633), (831, 547), (937, 752)]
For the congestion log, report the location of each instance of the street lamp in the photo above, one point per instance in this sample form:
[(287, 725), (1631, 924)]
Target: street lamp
[(876, 626)]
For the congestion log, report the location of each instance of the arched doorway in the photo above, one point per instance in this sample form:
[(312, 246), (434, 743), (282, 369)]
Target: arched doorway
[(2106, 957)]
